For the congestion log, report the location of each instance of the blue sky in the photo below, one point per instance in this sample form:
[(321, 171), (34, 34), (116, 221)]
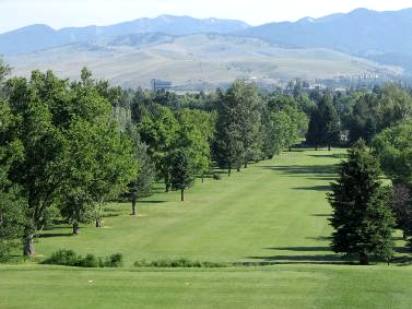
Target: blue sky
[(63, 13)]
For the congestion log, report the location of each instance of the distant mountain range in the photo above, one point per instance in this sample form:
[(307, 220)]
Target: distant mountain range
[(382, 36), (360, 42), (38, 37)]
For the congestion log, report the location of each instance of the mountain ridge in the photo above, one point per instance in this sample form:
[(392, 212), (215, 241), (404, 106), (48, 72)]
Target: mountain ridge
[(40, 36)]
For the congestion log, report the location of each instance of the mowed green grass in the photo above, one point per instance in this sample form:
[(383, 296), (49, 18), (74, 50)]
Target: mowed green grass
[(274, 212)]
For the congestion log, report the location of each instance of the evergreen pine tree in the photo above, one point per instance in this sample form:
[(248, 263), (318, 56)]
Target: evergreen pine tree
[(181, 176), (362, 218)]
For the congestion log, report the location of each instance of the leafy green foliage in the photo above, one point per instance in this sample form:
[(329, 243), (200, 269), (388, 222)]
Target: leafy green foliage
[(289, 123), (394, 149), (159, 133), (72, 152), (181, 171), (324, 124), (70, 258), (193, 137), (178, 263), (228, 148)]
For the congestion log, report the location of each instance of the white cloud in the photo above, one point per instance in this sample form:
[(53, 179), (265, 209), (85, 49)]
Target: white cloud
[(62, 13)]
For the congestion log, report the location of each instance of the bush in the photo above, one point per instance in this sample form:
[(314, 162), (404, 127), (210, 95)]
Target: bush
[(7, 247), (115, 260), (89, 261), (175, 263), (70, 258), (63, 257)]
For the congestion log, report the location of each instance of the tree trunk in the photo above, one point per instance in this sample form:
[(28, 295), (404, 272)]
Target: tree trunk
[(167, 183), (76, 228), (316, 147), (28, 246), (246, 164), (404, 235), (238, 169), (203, 178), (329, 147), (134, 200), (182, 195), (99, 222), (229, 170), (364, 259)]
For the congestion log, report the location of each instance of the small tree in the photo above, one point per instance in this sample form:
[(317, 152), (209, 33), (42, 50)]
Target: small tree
[(142, 185), (362, 218), (181, 175)]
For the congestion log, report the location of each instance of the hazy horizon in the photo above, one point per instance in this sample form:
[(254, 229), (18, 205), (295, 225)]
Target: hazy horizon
[(76, 13)]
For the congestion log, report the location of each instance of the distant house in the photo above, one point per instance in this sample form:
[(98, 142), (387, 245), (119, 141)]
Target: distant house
[(161, 85)]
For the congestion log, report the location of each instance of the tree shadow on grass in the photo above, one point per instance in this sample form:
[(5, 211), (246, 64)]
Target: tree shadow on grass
[(330, 179), (330, 156), (53, 235), (323, 258), (314, 188), (322, 215), (110, 215), (320, 238), (299, 249), (152, 202), (299, 171)]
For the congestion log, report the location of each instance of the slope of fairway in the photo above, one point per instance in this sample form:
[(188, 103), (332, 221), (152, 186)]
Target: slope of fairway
[(273, 212)]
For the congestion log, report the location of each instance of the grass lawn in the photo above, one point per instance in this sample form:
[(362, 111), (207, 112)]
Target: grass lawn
[(274, 212)]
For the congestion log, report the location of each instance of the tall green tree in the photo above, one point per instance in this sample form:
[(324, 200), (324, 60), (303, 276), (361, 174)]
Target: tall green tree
[(194, 136), (12, 204), (362, 218), (228, 147), (289, 122), (393, 147), (38, 105), (249, 117), (100, 160), (73, 152), (324, 124), (159, 132), (181, 172), (141, 185)]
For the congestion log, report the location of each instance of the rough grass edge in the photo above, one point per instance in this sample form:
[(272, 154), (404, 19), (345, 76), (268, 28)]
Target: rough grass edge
[(179, 263)]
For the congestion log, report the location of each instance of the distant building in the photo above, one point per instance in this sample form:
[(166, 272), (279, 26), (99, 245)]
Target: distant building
[(161, 85)]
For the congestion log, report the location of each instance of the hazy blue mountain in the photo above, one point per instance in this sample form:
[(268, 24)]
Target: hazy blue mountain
[(37, 37), (382, 36)]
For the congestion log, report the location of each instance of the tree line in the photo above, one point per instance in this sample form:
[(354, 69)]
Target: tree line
[(70, 147)]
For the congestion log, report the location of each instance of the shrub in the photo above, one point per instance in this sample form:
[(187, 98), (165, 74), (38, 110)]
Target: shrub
[(70, 258), (175, 263), (115, 260), (89, 261), (63, 257)]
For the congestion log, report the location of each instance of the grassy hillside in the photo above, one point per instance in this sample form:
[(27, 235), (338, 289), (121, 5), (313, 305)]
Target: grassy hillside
[(273, 212), (195, 61)]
